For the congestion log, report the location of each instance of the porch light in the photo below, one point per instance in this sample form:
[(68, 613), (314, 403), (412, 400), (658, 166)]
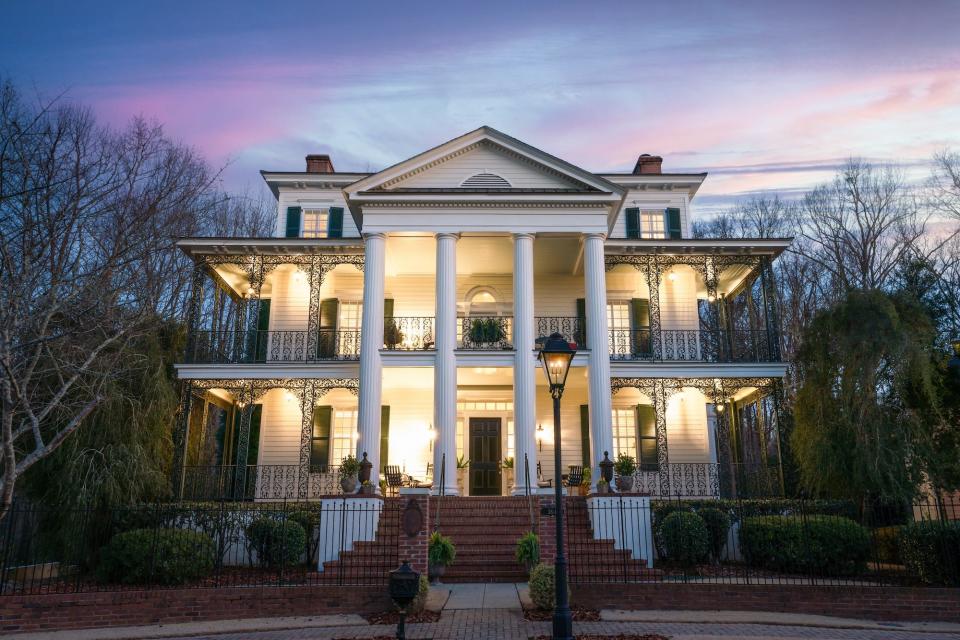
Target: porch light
[(249, 293), (672, 276), (556, 356), (539, 436)]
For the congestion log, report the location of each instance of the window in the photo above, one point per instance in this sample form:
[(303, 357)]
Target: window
[(624, 432), (315, 223), (652, 224), (510, 449), (351, 316), (344, 434), (618, 321)]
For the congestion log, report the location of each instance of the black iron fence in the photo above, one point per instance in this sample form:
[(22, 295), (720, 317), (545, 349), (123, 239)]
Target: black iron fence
[(331, 542), (692, 345), (485, 332), (624, 539)]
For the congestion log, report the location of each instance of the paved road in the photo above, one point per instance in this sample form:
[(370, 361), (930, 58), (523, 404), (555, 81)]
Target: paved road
[(481, 624)]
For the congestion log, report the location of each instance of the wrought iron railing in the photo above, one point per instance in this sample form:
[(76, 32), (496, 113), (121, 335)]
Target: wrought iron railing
[(691, 345), (485, 332), (408, 333), (683, 479), (254, 346), (571, 328), (259, 482)]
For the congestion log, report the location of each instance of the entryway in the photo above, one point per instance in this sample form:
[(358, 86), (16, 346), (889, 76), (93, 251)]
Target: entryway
[(485, 455)]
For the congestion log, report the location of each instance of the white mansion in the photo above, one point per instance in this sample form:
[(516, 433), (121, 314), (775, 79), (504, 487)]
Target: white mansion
[(397, 314)]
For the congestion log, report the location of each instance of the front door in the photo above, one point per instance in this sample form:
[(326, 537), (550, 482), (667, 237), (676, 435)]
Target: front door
[(484, 456)]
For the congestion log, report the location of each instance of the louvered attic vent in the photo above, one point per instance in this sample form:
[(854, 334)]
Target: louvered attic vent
[(485, 181)]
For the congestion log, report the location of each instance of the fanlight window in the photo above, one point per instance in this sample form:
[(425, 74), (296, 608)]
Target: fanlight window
[(485, 181)]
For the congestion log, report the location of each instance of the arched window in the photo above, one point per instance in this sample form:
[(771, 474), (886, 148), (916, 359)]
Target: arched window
[(485, 181)]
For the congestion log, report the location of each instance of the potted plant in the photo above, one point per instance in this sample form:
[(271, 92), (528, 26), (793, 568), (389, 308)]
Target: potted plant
[(392, 336), (603, 486), (462, 465), (625, 466), (528, 550), (585, 483), (366, 488), (349, 470), (508, 472), (440, 555)]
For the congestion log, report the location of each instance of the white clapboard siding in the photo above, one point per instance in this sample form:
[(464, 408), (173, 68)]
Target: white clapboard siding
[(453, 172), (678, 299), (654, 201), (411, 415), (280, 428), (687, 427)]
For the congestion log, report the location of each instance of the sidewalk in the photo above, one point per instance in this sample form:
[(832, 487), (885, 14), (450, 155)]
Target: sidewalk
[(481, 611)]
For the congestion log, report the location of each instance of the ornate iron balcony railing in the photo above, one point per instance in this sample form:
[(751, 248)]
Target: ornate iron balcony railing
[(485, 333), (408, 333), (692, 345), (571, 328), (253, 346), (709, 480), (259, 482)]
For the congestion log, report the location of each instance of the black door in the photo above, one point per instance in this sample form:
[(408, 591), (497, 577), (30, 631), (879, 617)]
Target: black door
[(484, 456)]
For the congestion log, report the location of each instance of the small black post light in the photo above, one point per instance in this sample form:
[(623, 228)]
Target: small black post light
[(404, 586), (540, 436), (365, 467), (606, 468), (953, 364), (557, 356)]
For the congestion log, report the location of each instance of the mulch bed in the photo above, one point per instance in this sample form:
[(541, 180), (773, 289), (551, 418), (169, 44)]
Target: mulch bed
[(393, 617), (546, 615)]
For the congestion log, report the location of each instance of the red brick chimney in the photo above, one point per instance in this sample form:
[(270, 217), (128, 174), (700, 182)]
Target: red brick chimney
[(319, 163), (648, 164)]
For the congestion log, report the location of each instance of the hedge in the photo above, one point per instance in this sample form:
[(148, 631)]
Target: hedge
[(156, 556), (820, 545), (276, 542), (931, 552), (685, 538)]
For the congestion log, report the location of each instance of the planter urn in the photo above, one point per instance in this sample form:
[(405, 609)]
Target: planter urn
[(624, 483), (365, 467), (435, 572), (349, 485)]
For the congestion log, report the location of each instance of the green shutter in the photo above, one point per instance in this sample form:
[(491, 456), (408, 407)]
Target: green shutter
[(387, 308), (647, 437), (335, 224), (640, 324), (327, 328), (674, 231), (633, 222), (580, 336), (585, 434), (293, 222), (253, 444), (263, 329), (320, 440), (384, 436)]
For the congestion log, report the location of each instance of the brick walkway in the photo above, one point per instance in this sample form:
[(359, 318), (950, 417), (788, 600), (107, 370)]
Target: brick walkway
[(482, 624)]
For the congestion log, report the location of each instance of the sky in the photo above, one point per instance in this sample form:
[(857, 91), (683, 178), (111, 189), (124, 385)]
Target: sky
[(765, 96)]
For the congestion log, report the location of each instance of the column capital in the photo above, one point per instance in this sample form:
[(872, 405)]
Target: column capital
[(517, 236), (600, 236), (454, 236), (374, 235)]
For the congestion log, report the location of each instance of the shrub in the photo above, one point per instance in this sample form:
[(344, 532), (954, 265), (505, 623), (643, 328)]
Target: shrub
[(276, 542), (421, 600), (739, 509), (440, 550), (886, 543), (156, 556), (528, 550), (625, 464), (931, 552), (718, 526), (543, 586), (349, 467), (821, 545), (686, 540), (308, 519)]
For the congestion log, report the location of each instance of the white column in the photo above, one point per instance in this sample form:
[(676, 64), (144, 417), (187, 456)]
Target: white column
[(445, 367), (371, 340), (601, 429), (524, 365)]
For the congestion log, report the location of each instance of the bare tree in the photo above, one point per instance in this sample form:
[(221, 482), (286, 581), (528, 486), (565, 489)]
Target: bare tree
[(944, 184), (88, 220)]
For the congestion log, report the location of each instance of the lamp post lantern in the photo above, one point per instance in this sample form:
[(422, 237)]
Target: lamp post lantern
[(556, 356)]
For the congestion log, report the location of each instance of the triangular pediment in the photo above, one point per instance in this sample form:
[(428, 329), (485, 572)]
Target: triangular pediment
[(483, 159)]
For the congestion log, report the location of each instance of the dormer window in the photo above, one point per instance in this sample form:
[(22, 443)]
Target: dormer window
[(485, 181)]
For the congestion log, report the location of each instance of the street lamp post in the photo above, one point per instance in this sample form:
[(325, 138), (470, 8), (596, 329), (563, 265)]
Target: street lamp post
[(556, 356)]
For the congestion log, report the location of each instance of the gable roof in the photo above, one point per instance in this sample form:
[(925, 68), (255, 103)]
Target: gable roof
[(586, 180)]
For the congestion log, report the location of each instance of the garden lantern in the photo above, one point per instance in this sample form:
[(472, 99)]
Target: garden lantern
[(556, 355), (404, 585)]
